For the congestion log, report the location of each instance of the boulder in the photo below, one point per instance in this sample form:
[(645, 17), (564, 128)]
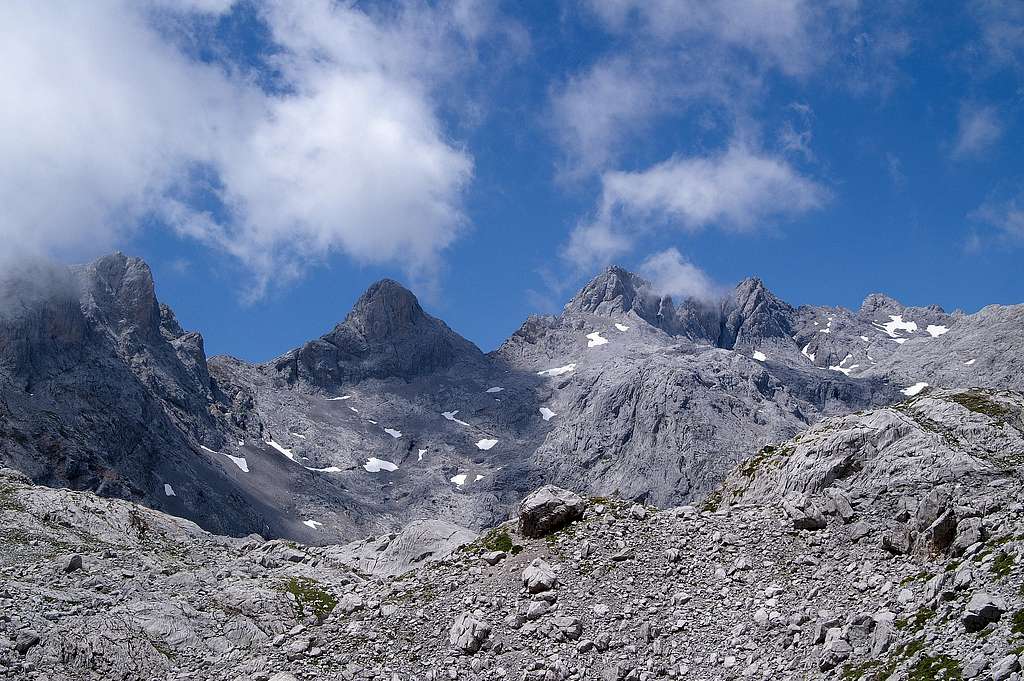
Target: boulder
[(982, 609), (548, 509), (539, 576), (468, 632)]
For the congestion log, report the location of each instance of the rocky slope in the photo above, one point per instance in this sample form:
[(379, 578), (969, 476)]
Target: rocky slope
[(392, 417), (879, 545)]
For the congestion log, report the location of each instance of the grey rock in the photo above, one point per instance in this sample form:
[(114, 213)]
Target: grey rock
[(548, 509), (1005, 667), (982, 609), (538, 577), (468, 632)]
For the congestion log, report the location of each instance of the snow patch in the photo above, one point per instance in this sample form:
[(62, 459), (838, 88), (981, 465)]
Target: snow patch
[(760, 356), (421, 453), (283, 450), (804, 352), (936, 330), (558, 371), (343, 397), (329, 469), (970, 362), (842, 368), (240, 462), (899, 341), (393, 433), (546, 413), (621, 327), (354, 409), (313, 524), (478, 478), (495, 389), (298, 435), (375, 465), (459, 479), (895, 324), (914, 389), (865, 339), (169, 491), (450, 415), (486, 444), (594, 339)]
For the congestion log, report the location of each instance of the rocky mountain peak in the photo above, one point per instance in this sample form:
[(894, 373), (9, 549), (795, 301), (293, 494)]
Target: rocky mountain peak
[(616, 290), (878, 306), (384, 309), (118, 290), (753, 313)]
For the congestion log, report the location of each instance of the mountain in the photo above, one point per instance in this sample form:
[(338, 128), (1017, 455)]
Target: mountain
[(878, 545), (392, 417)]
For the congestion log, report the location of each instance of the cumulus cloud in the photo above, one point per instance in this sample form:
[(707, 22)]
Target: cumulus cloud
[(979, 127), (105, 122), (670, 273), (739, 189)]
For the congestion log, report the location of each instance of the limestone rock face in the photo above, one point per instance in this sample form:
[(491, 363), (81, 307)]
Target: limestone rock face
[(548, 509)]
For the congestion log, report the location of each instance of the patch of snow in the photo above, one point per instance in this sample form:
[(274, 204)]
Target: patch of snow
[(459, 479), (895, 324), (558, 371), (450, 415), (936, 330), (594, 339), (899, 341), (169, 491), (865, 339), (375, 465), (486, 444), (240, 462), (760, 356), (312, 523), (343, 397), (478, 478), (841, 367), (422, 452), (621, 327), (806, 354), (329, 469), (495, 389), (241, 443), (354, 409), (914, 389), (283, 450), (207, 449), (546, 413), (372, 421), (298, 435), (393, 433), (970, 362)]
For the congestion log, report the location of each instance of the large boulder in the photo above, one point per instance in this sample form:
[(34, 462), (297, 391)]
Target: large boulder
[(469, 632), (982, 609), (538, 577), (548, 509)]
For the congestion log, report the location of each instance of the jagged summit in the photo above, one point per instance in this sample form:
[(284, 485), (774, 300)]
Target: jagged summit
[(386, 334), (385, 309), (753, 314), (616, 290)]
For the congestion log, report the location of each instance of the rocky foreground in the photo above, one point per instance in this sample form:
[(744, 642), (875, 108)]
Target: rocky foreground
[(881, 545)]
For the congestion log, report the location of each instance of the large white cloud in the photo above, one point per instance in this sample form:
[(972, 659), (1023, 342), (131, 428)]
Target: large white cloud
[(104, 122), (670, 273), (739, 189)]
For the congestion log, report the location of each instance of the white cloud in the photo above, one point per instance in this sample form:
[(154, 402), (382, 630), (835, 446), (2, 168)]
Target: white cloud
[(1007, 216), (978, 129), (1002, 31), (670, 273), (780, 31), (737, 190), (110, 123)]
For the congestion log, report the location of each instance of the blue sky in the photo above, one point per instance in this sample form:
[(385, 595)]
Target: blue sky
[(271, 160)]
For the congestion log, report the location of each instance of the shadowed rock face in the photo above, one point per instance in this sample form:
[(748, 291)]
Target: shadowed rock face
[(386, 335), (392, 416)]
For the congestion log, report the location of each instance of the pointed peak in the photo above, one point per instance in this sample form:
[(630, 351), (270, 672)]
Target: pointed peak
[(876, 304), (384, 308), (613, 290)]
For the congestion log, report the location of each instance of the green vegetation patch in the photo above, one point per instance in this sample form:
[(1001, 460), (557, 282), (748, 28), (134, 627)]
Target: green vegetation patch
[(980, 402), (9, 499), (1017, 622), (310, 594), (929, 668), (498, 539), (1002, 563)]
